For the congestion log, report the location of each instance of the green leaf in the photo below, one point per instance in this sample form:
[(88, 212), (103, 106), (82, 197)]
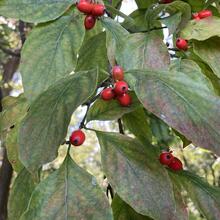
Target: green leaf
[(14, 109), (20, 194), (132, 50), (11, 143), (172, 22), (53, 49), (68, 193), (45, 126), (183, 101), (202, 29), (204, 196), (138, 124), (111, 110), (34, 11), (94, 53), (137, 176), (122, 211), (209, 52)]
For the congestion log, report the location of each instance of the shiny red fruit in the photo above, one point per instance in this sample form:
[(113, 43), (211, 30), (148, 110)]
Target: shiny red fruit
[(205, 14), (181, 44), (77, 138), (175, 164), (124, 100), (85, 7), (166, 1), (98, 10), (196, 16), (120, 88), (107, 94), (166, 158), (89, 22), (118, 73)]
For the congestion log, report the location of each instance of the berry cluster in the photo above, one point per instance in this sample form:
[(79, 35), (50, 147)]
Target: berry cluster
[(120, 89), (77, 137), (92, 11), (167, 158), (202, 14)]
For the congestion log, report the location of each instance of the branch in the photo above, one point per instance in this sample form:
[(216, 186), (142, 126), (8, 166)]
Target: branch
[(21, 27), (120, 126)]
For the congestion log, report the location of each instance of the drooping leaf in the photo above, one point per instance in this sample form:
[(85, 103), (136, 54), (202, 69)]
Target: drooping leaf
[(45, 126), (93, 53), (20, 194), (11, 143), (34, 11), (209, 52), (122, 211), (137, 176), (68, 193), (183, 101), (202, 29), (50, 53), (138, 123), (111, 110), (204, 196)]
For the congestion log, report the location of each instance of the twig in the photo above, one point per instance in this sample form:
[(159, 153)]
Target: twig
[(120, 127), (82, 124), (21, 27)]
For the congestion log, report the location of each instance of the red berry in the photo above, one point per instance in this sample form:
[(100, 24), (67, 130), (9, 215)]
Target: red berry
[(98, 10), (181, 44), (118, 73), (77, 138), (166, 158), (125, 100), (107, 94), (166, 1), (121, 87), (89, 22), (85, 7), (205, 14), (176, 164), (196, 16)]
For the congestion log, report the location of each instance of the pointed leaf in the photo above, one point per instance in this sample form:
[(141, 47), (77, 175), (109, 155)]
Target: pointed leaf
[(20, 194), (53, 49), (122, 211), (68, 193), (204, 196), (137, 176), (184, 102), (45, 126), (34, 11)]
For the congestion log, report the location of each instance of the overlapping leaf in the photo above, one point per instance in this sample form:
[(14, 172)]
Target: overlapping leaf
[(202, 29), (204, 196), (209, 52), (20, 194), (50, 53), (183, 101), (68, 193), (45, 126), (137, 176), (34, 11)]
